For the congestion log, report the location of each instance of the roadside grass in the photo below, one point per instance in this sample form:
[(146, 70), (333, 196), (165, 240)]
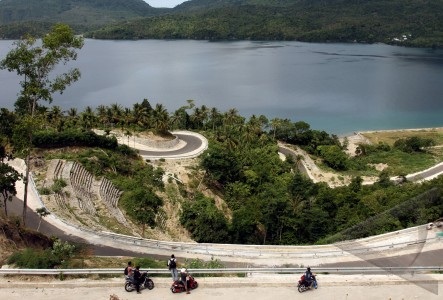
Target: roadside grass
[(111, 262), (113, 225), (398, 162), (401, 163), (390, 137)]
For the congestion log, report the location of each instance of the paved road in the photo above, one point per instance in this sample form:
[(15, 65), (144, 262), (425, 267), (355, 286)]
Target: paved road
[(15, 209), (429, 173), (423, 175), (363, 291), (192, 144), (428, 258)]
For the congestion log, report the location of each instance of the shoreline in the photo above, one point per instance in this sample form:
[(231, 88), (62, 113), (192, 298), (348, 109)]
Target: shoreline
[(361, 132), (400, 130)]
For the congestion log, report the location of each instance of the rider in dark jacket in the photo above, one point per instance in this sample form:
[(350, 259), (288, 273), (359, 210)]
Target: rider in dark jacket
[(139, 278), (309, 278)]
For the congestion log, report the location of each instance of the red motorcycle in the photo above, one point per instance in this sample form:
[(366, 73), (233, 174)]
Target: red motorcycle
[(178, 286), (304, 285)]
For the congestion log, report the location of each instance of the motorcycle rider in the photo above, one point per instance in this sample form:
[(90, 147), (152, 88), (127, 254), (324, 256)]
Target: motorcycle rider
[(139, 278), (130, 269), (185, 279), (309, 277)]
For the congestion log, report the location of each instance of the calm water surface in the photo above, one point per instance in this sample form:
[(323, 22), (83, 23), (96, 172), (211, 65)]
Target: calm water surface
[(335, 87)]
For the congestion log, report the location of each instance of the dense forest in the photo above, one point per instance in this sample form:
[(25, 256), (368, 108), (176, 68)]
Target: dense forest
[(414, 23), (267, 200), (36, 17)]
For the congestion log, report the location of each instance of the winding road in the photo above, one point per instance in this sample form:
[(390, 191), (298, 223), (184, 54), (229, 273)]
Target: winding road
[(193, 145)]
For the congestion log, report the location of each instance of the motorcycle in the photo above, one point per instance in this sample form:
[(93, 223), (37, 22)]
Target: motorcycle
[(178, 286), (147, 283), (303, 284)]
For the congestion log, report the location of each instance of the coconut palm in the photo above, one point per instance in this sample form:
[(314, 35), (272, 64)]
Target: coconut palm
[(205, 115), (140, 115), (214, 116), (55, 117), (197, 118), (87, 118), (116, 112), (275, 124), (102, 115), (160, 119)]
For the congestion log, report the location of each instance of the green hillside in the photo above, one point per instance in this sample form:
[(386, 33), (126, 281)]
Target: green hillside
[(33, 16), (314, 21), (417, 23)]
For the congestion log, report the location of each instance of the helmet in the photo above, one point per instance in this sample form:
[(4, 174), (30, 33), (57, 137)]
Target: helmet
[(183, 270)]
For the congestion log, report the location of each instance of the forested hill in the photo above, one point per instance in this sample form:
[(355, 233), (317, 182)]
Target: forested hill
[(408, 22), (417, 23), (195, 5), (21, 16)]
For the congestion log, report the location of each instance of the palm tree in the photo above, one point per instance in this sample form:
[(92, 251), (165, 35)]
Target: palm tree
[(205, 114), (275, 124), (116, 112), (56, 117), (214, 116), (102, 115), (72, 112), (197, 118), (140, 115), (88, 118), (161, 119), (127, 120), (249, 134), (231, 118)]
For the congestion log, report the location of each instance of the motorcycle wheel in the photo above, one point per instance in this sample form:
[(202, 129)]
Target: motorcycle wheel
[(173, 290), (129, 287), (149, 284), (301, 288), (194, 285)]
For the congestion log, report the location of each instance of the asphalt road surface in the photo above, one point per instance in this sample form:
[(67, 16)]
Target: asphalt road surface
[(15, 209), (192, 144), (342, 292), (429, 258)]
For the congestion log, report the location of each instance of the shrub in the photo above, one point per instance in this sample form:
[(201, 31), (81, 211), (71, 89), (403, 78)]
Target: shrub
[(34, 259), (53, 139), (58, 186), (44, 191), (334, 157), (62, 250), (201, 264), (413, 144)]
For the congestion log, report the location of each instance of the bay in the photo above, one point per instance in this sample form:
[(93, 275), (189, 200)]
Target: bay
[(339, 88)]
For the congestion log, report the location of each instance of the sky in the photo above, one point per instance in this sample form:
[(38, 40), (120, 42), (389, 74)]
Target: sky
[(164, 3)]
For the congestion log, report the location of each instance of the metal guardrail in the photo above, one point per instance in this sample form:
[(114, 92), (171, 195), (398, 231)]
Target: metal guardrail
[(119, 271)]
